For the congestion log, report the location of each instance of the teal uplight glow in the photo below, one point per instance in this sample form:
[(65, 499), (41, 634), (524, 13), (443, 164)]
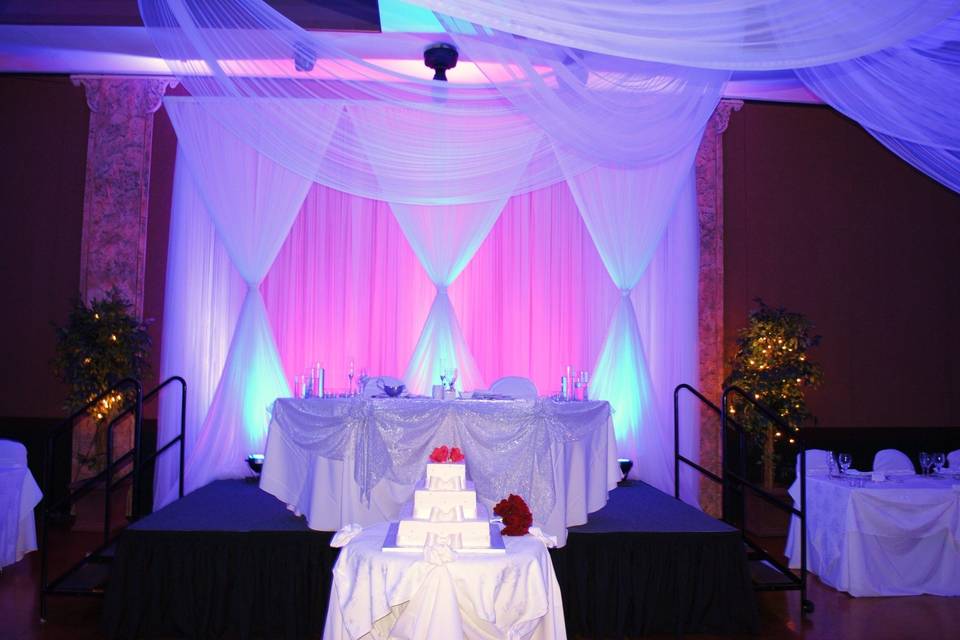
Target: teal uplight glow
[(401, 17), (621, 377)]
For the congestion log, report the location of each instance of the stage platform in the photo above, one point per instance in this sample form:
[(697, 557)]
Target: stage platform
[(229, 560)]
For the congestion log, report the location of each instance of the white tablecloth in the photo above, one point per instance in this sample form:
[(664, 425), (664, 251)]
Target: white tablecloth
[(350, 460), (894, 538), (19, 494), (471, 597)]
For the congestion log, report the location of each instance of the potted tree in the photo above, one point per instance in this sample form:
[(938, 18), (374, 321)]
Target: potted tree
[(101, 343), (772, 365)]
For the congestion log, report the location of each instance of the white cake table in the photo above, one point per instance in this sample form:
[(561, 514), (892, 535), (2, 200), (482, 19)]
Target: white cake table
[(378, 595), (19, 495), (895, 538), (339, 461)]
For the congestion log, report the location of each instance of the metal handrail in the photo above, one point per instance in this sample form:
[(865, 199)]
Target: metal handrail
[(107, 474), (740, 479)]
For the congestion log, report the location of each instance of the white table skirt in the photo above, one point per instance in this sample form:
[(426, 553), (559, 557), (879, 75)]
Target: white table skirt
[(576, 467), (19, 495), (377, 595), (895, 538)]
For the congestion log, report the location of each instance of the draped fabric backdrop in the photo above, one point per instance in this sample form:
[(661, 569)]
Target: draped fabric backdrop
[(346, 286)]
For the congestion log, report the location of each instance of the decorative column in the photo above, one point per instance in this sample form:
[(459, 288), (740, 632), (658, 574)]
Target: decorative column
[(117, 189), (114, 239), (709, 165)]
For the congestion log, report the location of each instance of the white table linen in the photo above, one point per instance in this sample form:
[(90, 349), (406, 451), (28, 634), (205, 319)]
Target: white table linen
[(19, 495), (893, 538), (348, 460), (439, 594)]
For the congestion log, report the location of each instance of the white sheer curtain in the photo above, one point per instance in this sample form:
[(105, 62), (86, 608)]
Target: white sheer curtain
[(444, 239), (252, 202), (713, 34), (203, 296), (627, 212), (906, 96)]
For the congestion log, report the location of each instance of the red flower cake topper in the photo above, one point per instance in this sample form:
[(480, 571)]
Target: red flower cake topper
[(446, 454), (515, 514)]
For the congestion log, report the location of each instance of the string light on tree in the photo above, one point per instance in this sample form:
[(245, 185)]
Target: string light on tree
[(771, 365)]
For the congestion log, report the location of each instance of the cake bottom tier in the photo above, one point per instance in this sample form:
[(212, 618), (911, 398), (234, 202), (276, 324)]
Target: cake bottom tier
[(468, 534)]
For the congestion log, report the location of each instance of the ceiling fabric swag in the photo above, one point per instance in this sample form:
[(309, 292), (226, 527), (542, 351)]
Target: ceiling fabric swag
[(604, 108), (245, 54), (253, 202), (712, 34), (906, 96)]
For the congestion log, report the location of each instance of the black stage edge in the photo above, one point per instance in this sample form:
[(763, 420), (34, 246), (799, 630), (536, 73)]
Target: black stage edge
[(648, 563), (229, 560), (226, 561)]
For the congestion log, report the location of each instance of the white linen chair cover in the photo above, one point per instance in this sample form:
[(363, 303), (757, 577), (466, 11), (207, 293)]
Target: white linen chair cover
[(953, 460), (515, 386), (892, 460), (371, 388), (816, 461), (19, 494)]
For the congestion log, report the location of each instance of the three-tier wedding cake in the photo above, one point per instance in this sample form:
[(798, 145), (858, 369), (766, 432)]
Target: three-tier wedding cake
[(444, 510)]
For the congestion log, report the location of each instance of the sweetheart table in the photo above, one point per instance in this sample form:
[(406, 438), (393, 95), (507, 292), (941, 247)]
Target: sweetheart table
[(339, 461)]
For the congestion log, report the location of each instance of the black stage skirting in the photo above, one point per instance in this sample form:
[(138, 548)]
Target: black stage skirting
[(229, 560), (648, 563)]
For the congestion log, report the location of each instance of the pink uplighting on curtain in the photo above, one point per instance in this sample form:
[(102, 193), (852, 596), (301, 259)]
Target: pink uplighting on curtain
[(346, 286)]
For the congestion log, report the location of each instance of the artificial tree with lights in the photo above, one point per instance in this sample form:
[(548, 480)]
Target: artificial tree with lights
[(101, 343), (773, 366)]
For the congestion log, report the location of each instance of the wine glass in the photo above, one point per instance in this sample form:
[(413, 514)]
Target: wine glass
[(831, 464), (938, 459), (924, 462), (844, 459), (443, 377), (350, 379), (453, 377)]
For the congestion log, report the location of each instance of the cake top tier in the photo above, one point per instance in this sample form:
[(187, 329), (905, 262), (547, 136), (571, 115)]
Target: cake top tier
[(449, 476)]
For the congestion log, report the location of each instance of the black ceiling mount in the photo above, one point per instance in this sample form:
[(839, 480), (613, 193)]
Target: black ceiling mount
[(440, 57)]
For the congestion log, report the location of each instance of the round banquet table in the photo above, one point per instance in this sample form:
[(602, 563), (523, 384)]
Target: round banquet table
[(441, 594)]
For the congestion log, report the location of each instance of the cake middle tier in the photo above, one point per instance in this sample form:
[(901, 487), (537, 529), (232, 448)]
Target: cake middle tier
[(427, 502)]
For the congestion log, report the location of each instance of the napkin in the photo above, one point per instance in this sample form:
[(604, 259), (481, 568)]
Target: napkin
[(548, 541), (345, 535), (878, 476)]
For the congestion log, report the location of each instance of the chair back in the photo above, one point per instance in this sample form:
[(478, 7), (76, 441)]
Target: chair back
[(12, 453), (516, 387), (953, 460), (892, 460), (371, 388), (816, 462)]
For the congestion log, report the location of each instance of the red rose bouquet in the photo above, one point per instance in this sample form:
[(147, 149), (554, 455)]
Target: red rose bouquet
[(445, 454), (515, 514)]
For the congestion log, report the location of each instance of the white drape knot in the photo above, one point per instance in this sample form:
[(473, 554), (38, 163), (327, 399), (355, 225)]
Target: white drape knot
[(441, 289), (625, 293)]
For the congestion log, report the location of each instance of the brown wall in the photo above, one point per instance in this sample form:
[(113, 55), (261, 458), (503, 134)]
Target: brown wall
[(822, 219), (43, 132)]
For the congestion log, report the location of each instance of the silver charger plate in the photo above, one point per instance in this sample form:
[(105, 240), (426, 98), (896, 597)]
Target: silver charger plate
[(496, 543)]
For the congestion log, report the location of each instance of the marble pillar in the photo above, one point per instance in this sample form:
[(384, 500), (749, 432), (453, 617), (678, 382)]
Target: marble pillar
[(114, 238), (117, 189), (709, 166)]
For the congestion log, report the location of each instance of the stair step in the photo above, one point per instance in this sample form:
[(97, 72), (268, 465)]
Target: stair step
[(89, 577), (765, 576)]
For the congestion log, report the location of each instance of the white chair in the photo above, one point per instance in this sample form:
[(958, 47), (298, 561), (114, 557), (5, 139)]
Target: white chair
[(953, 460), (892, 460), (371, 388), (816, 462), (19, 494), (515, 387)]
